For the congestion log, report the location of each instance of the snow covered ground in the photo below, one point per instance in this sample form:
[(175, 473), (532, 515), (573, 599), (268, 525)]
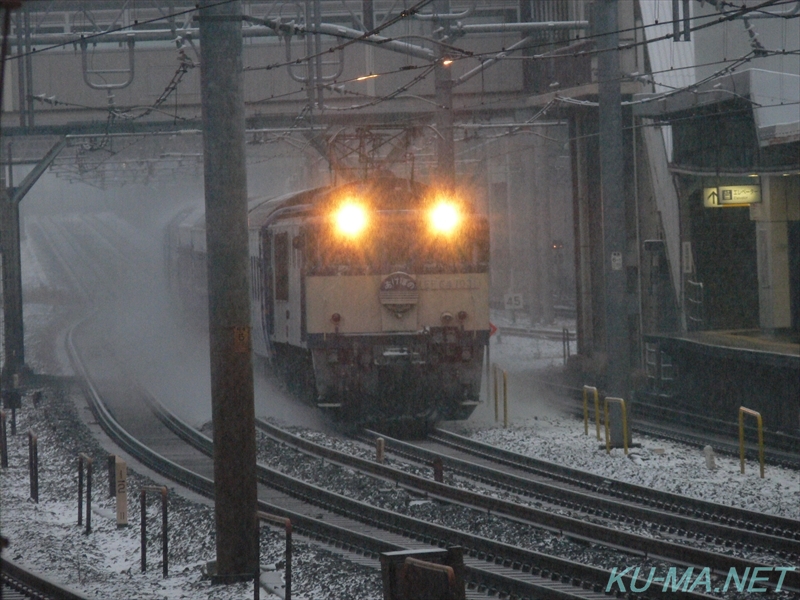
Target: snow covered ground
[(106, 564), (45, 537), (541, 426)]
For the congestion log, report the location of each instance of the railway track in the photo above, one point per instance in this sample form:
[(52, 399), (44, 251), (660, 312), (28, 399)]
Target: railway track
[(538, 333), (17, 583), (171, 447), (670, 424), (781, 449), (647, 417), (594, 497), (131, 418), (600, 510), (163, 444)]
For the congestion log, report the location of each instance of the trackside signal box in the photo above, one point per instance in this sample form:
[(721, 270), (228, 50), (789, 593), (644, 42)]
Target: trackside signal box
[(423, 574)]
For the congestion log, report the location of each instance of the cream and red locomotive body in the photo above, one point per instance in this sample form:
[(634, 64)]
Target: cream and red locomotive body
[(373, 298)]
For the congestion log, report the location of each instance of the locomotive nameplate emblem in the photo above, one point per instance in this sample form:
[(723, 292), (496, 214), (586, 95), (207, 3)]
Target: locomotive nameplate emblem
[(449, 283), (398, 292)]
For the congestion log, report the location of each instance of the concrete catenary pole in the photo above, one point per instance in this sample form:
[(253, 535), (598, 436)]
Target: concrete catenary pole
[(13, 324), (13, 338), (611, 173), (228, 285), (445, 150)]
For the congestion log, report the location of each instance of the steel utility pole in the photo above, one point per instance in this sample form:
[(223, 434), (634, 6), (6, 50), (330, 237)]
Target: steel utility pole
[(446, 163), (13, 330), (14, 338), (611, 173), (225, 180)]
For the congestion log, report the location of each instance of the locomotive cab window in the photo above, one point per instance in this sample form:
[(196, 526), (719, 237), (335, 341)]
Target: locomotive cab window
[(281, 253)]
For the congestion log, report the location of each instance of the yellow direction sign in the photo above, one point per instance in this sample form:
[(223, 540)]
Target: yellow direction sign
[(731, 195)]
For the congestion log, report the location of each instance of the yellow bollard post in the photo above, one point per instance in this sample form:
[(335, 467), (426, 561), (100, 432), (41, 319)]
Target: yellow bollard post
[(496, 406), (505, 399), (742, 412)]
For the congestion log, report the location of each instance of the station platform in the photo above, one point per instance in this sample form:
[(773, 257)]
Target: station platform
[(713, 373)]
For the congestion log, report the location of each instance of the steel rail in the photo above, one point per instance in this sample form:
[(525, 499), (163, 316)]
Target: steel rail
[(512, 567), (629, 491), (781, 449), (31, 585), (526, 562), (420, 530), (670, 517), (579, 527)]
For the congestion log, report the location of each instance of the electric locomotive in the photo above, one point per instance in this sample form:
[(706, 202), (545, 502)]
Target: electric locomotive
[(373, 298)]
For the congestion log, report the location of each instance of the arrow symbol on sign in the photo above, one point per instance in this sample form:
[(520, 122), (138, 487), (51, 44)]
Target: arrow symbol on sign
[(713, 197)]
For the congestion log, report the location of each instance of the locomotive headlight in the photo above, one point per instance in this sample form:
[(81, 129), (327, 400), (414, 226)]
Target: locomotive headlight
[(445, 217), (351, 219)]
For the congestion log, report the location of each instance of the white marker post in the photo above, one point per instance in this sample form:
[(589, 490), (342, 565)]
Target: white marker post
[(121, 470)]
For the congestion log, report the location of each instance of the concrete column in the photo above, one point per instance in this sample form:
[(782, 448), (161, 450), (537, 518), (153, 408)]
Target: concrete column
[(521, 230), (581, 186), (617, 342), (443, 82), (225, 179), (779, 202), (368, 11), (13, 334), (544, 184), (497, 179)]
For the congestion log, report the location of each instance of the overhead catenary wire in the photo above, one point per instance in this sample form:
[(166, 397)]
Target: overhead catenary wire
[(463, 54), (717, 20), (735, 12), (399, 92)]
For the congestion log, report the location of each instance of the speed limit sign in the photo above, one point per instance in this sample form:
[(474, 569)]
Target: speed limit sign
[(513, 301)]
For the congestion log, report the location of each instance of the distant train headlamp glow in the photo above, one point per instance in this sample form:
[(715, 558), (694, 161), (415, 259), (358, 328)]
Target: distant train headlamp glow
[(445, 217), (351, 219)]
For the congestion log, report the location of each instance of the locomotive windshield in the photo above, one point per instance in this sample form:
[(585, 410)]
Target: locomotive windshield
[(397, 241)]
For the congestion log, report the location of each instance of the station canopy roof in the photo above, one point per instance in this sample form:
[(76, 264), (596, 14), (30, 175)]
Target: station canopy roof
[(773, 97)]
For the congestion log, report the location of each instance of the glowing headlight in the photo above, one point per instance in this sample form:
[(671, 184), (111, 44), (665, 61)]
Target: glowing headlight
[(351, 219), (445, 217)]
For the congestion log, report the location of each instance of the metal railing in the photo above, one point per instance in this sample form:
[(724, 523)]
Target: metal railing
[(659, 368), (651, 369), (695, 300)]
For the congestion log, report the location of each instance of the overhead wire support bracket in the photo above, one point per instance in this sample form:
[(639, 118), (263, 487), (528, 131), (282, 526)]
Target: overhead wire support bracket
[(678, 22), (446, 17), (87, 72), (305, 79), (292, 28), (460, 28)]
